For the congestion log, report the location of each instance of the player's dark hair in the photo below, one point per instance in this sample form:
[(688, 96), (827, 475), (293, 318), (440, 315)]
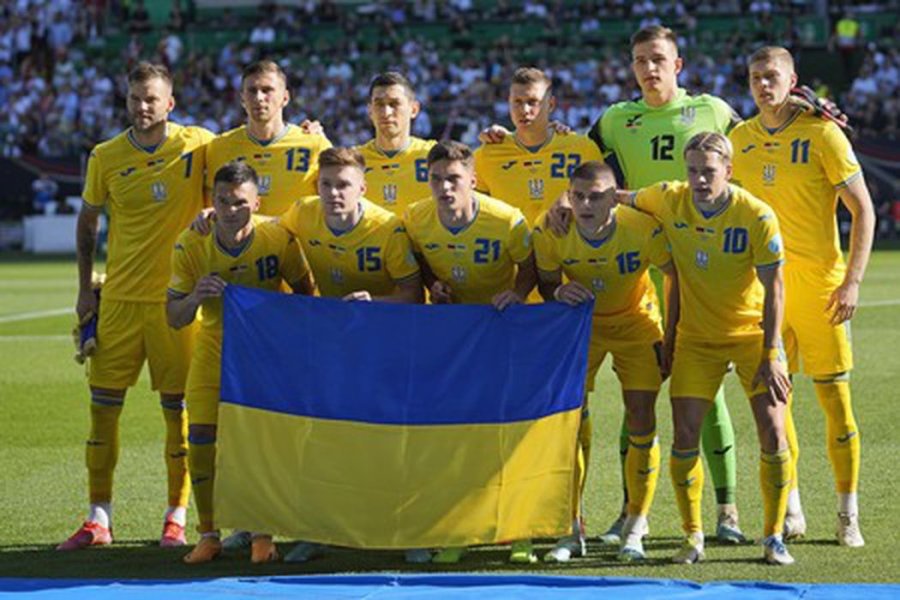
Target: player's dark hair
[(654, 32), (530, 75), (451, 150), (389, 78), (145, 71), (236, 172), (342, 157), (263, 66), (767, 53), (593, 170)]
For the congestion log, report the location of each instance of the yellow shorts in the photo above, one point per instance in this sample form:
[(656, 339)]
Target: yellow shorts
[(809, 338), (128, 333), (699, 367), (202, 392), (633, 348)]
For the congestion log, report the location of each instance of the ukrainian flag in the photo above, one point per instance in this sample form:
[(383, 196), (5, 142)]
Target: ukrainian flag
[(398, 426)]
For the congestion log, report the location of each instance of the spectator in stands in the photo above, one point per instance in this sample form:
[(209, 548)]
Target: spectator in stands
[(44, 189)]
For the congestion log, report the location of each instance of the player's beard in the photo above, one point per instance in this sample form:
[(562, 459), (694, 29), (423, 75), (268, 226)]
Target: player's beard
[(153, 127)]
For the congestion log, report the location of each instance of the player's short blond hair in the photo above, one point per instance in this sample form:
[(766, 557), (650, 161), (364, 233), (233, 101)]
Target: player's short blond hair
[(709, 141), (654, 32), (263, 66), (530, 75), (145, 71), (594, 170), (452, 151), (772, 53), (342, 157)]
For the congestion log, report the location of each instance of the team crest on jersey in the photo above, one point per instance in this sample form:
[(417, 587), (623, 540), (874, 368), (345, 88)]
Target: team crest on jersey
[(265, 184), (702, 259), (389, 191), (536, 189), (159, 191), (688, 115), (598, 285), (768, 174), (337, 275), (458, 273)]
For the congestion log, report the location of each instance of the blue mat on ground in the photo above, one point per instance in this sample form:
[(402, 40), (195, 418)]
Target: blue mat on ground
[(438, 586)]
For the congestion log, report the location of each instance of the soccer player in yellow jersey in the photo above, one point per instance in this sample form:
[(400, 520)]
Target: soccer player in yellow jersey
[(801, 165), (531, 168), (238, 251), (284, 156), (605, 257), (149, 179), (396, 162), (727, 249), (473, 249)]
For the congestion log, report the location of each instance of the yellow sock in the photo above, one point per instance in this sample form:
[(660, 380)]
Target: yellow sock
[(641, 472), (686, 469), (583, 455), (202, 455), (775, 484), (793, 442), (176, 451), (841, 431), (102, 451)]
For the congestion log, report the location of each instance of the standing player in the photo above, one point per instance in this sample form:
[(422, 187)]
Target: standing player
[(284, 157), (473, 249), (644, 140), (150, 180), (237, 251), (800, 165), (605, 257), (357, 251), (396, 162), (531, 168), (727, 250)]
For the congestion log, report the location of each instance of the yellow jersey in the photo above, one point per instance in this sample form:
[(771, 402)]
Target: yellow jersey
[(479, 260), (271, 255), (614, 268), (531, 180), (373, 256), (716, 257), (150, 195), (287, 165), (395, 181), (797, 170)]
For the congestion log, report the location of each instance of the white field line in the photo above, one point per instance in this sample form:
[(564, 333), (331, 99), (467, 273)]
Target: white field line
[(35, 338), (37, 314)]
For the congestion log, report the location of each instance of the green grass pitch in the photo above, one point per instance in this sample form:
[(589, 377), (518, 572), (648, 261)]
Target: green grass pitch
[(44, 420)]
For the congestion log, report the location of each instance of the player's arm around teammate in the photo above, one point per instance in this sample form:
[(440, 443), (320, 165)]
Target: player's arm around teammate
[(238, 251), (605, 257)]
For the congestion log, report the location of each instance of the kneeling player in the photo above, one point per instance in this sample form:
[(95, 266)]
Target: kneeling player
[(605, 258), (239, 251), (727, 248)]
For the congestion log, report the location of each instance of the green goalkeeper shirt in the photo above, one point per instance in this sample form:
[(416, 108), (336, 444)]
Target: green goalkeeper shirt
[(648, 142)]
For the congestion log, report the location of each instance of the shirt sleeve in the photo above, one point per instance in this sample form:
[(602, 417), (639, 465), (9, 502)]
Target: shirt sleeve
[(545, 250), (659, 252), (294, 266), (398, 254), (838, 158), (408, 217), (765, 242), (480, 166), (290, 220), (184, 275), (652, 199), (519, 238), (95, 190)]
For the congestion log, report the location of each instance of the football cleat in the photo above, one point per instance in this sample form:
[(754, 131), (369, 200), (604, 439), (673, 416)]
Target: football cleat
[(238, 540), (567, 548), (728, 531), (417, 556), (263, 550), (632, 550), (449, 556), (522, 553), (172, 535), (90, 533), (206, 549), (775, 552), (613, 535), (304, 551), (691, 550), (848, 533), (794, 526)]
